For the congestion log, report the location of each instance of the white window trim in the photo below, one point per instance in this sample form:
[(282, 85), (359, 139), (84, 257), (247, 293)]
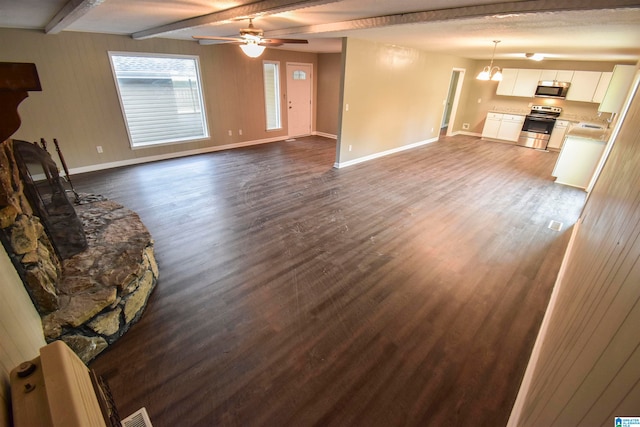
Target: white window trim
[(203, 111), (278, 97)]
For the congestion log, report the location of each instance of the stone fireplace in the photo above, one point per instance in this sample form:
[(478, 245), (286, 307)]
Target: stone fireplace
[(87, 262)]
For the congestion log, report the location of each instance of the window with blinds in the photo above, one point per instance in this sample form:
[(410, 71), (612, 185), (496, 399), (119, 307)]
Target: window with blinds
[(271, 71), (160, 96)]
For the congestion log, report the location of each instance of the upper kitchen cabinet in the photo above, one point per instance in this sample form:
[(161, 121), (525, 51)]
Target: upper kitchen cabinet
[(518, 82), (618, 88), (601, 89), (556, 75), (526, 83), (583, 86), (609, 89), (506, 85)]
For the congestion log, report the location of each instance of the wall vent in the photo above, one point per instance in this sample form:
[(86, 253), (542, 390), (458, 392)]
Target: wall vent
[(140, 418), (555, 225)]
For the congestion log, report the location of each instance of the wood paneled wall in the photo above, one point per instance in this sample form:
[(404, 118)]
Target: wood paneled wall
[(20, 329), (79, 104), (588, 369)]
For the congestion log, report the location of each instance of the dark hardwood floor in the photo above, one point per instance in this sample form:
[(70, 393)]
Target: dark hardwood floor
[(406, 290)]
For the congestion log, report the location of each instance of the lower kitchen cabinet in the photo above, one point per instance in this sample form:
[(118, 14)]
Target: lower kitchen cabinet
[(510, 127), (557, 135), (501, 126), (492, 125), (577, 161)]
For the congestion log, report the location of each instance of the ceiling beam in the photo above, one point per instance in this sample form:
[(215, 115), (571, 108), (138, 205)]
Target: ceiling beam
[(70, 13), (264, 7), (495, 9)]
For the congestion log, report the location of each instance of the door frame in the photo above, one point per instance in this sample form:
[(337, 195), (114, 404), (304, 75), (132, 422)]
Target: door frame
[(456, 99), (311, 87)]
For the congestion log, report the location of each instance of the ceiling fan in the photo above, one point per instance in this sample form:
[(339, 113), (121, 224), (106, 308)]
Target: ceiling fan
[(252, 41)]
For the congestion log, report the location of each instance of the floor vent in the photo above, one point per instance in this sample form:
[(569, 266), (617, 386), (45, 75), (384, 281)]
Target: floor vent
[(555, 225), (140, 418)]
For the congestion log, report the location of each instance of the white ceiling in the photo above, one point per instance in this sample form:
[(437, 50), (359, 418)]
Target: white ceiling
[(581, 30)]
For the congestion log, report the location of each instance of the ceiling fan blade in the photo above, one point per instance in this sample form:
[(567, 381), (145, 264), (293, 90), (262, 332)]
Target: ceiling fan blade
[(282, 41), (226, 39)]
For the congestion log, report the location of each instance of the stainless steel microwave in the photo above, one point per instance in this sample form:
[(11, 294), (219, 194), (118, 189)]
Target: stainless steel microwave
[(552, 89)]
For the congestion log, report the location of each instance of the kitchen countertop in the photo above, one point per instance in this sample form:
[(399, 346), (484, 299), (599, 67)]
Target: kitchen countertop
[(513, 111), (601, 135)]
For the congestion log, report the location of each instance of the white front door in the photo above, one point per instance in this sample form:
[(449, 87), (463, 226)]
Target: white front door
[(299, 98)]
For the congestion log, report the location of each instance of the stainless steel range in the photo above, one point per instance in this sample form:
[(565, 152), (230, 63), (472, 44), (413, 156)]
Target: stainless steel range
[(537, 126)]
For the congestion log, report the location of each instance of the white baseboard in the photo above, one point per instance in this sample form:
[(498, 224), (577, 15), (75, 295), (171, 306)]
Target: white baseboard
[(129, 162), (326, 135), (463, 132), (339, 165)]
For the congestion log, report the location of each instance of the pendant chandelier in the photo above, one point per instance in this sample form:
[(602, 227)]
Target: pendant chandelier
[(490, 72)]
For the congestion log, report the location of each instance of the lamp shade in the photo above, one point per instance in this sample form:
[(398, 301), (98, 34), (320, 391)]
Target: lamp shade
[(252, 50), (484, 74)]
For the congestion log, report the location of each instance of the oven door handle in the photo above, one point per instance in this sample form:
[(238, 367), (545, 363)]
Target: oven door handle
[(541, 119)]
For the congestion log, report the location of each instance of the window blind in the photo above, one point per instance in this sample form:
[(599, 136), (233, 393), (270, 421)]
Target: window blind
[(161, 98)]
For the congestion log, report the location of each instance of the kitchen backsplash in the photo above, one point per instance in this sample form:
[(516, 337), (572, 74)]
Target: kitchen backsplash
[(572, 111)]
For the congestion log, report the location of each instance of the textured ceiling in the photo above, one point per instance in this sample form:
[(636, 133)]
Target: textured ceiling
[(563, 30)]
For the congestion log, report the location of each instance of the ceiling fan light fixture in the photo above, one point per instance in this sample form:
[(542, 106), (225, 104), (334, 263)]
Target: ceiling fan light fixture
[(490, 72), (252, 49)]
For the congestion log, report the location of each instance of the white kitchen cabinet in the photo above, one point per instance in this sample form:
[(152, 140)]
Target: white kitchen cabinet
[(548, 75), (564, 75), (526, 83), (601, 89), (557, 135), (557, 75), (518, 82), (506, 127), (510, 127), (583, 86), (618, 88), (577, 161), (586, 86), (492, 125), (506, 85)]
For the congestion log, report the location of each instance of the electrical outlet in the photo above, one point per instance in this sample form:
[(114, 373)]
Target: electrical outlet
[(99, 149), (479, 100), (240, 132), (346, 107), (230, 132), (350, 146), (431, 130)]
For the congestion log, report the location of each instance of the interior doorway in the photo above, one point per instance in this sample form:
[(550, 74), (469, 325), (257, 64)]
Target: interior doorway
[(299, 84), (451, 103)]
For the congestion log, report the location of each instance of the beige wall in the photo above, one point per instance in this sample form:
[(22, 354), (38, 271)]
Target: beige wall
[(395, 97), (79, 104), (20, 329), (586, 364), (475, 113), (328, 101)]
